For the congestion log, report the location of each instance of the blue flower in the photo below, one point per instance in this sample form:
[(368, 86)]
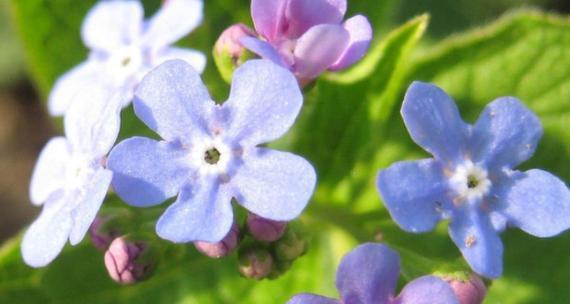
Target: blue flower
[(210, 154), (124, 47), (70, 179), (471, 179), (369, 275)]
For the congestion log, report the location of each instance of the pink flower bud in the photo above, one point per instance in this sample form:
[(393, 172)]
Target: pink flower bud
[(263, 229), (470, 291), (128, 261), (222, 248), (255, 263), (229, 41)]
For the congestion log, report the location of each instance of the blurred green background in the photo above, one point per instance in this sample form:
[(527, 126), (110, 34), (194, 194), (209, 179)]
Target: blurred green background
[(48, 32)]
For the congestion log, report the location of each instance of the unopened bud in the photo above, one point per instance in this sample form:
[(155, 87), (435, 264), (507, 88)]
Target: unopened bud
[(291, 246), (129, 261), (255, 262), (470, 291), (228, 52), (102, 232), (263, 229), (221, 248)]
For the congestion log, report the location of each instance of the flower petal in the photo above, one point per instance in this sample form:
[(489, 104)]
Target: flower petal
[(147, 172), (360, 31), (479, 243), (92, 124), (268, 17), (538, 203), (112, 24), (307, 298), (45, 238), (318, 49), (88, 204), (264, 102), (506, 133), (274, 185), (427, 290), (173, 101), (174, 20), (201, 213), (263, 50), (63, 94), (433, 121), (49, 173), (368, 274), (414, 193), (302, 14), (195, 58)]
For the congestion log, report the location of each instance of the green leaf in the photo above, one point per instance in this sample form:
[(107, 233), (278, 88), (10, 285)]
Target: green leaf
[(527, 55)]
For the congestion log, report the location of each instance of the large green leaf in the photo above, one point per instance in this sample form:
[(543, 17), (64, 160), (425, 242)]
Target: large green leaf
[(526, 54)]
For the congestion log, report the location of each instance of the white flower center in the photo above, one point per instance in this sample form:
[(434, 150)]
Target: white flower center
[(126, 62), (211, 156), (79, 170), (470, 181)]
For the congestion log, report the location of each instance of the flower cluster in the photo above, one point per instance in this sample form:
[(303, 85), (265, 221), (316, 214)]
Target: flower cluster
[(211, 158), (307, 36), (471, 180), (369, 274)]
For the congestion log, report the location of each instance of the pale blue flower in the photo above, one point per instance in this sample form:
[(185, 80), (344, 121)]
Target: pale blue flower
[(209, 153), (471, 179), (369, 275), (70, 179), (124, 47)]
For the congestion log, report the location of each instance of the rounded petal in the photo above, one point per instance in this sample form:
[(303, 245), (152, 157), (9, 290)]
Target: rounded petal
[(302, 14), (174, 20), (195, 58), (63, 93), (414, 193), (92, 124), (50, 169), (88, 204), (318, 49), (506, 133), (433, 121), (173, 101), (368, 274), (201, 213), (427, 290), (268, 17), (112, 24), (264, 102), (147, 172), (274, 185), (307, 298), (479, 243), (538, 203), (46, 237), (263, 50), (360, 31)]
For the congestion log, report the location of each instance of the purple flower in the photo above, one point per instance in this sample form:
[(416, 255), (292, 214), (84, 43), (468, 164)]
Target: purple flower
[(369, 274), (70, 179), (124, 47), (471, 179), (210, 154), (308, 36)]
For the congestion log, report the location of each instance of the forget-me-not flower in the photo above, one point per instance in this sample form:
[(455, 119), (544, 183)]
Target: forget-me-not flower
[(209, 153), (308, 36), (124, 47), (471, 179), (369, 275), (70, 179)]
